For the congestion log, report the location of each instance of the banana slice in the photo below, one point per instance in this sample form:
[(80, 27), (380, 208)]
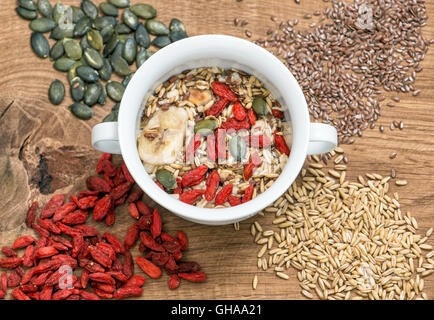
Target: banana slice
[(166, 141)]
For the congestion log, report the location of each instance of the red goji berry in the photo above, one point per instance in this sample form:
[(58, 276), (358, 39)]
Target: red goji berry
[(105, 287), (191, 266), (192, 146), (126, 173), (121, 190), (102, 277), (127, 292), (217, 108), (108, 168), (150, 243), (159, 258), (62, 211), (88, 295), (45, 252), (211, 148), (248, 193), (23, 242), (156, 224), (100, 257), (174, 281), (118, 275), (251, 115), (49, 225), (87, 202), (183, 241), (119, 178), (278, 114), (212, 184), (104, 157), (233, 123), (197, 276), (84, 279), (143, 208), (108, 180), (128, 267), (102, 207), (172, 246), (191, 196), (115, 242), (194, 176), (87, 231), (281, 145), (87, 193), (222, 90), (179, 189), (91, 266), (9, 252), (132, 208), (50, 207), (234, 201), (135, 281), (31, 214), (75, 217), (19, 295), (68, 230), (103, 294), (239, 111), (254, 162), (121, 200), (223, 194), (14, 278), (4, 281), (167, 237), (148, 267), (77, 245), (42, 232), (97, 184), (135, 195), (131, 236), (107, 249)]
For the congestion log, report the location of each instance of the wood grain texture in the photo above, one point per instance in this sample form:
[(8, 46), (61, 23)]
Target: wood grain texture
[(30, 127)]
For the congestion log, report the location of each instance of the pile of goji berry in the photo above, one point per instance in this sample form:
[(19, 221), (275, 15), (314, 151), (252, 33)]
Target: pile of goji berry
[(66, 242)]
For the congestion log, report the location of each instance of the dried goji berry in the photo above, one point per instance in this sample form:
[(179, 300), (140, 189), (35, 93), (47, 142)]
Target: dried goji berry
[(88, 295), (248, 193), (222, 90), (50, 207), (179, 189), (46, 293), (102, 277), (191, 196), (119, 177), (109, 180), (23, 242), (148, 267), (191, 266), (182, 239), (68, 230), (131, 236), (132, 208), (102, 207), (143, 208), (159, 258), (106, 287), (239, 111), (118, 275), (91, 266), (42, 278), (149, 242), (174, 281), (9, 252), (117, 265), (191, 148), (156, 224), (171, 265), (127, 173), (84, 279), (217, 107), (74, 198), (234, 201), (281, 145), (135, 281), (223, 194), (77, 245), (233, 123), (104, 157), (28, 256), (171, 246), (107, 249), (14, 279), (62, 211), (75, 217), (31, 214), (61, 294), (110, 217), (103, 294), (97, 184), (135, 195), (128, 292), (87, 231), (128, 267), (194, 176), (28, 288), (45, 252), (100, 257), (108, 168), (87, 193), (19, 295), (210, 148), (278, 114), (144, 222), (121, 190), (197, 276), (251, 115), (254, 162), (212, 184), (115, 242), (42, 231), (87, 202), (49, 225), (4, 281), (177, 255)]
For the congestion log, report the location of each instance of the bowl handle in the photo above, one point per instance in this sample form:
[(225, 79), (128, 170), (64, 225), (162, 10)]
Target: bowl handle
[(323, 138), (105, 137)]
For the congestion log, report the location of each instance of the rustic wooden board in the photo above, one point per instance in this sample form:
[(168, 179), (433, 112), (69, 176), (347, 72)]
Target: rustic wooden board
[(30, 127)]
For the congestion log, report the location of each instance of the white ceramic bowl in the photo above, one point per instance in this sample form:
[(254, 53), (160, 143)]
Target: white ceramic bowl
[(225, 52)]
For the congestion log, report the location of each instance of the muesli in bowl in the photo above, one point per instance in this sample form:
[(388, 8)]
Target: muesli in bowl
[(213, 137)]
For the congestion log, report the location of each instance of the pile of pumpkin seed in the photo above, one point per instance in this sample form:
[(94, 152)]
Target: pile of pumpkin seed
[(90, 43)]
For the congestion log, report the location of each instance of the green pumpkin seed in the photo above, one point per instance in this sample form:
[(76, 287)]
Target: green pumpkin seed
[(57, 50), (72, 49), (77, 14), (103, 96), (56, 93), (81, 111), (130, 50), (87, 74), (82, 27), (58, 12), (92, 94), (89, 9), (61, 32), (111, 117), (142, 36), (127, 80), (120, 65), (130, 19), (161, 41), (111, 45), (157, 28), (122, 28), (45, 8), (115, 90), (26, 14), (119, 50), (176, 26), (144, 11), (77, 89), (175, 36), (149, 53), (108, 9), (42, 25), (141, 57), (72, 72), (107, 33), (260, 106), (93, 58), (166, 179), (63, 64), (120, 3), (102, 22), (105, 73), (39, 45), (237, 147), (124, 37), (83, 43), (94, 39), (27, 4), (205, 127)]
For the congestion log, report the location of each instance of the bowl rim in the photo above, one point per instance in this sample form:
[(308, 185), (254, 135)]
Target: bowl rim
[(129, 105)]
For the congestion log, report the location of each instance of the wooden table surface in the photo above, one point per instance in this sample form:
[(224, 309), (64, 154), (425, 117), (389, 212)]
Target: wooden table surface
[(32, 129)]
